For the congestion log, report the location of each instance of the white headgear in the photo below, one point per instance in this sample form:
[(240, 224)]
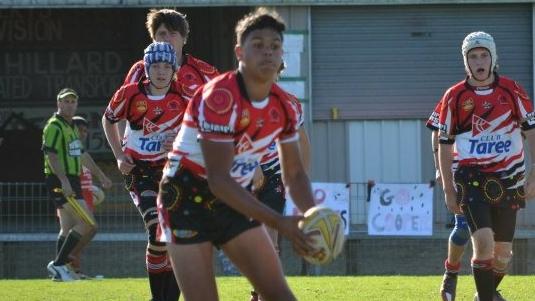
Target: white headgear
[(479, 39)]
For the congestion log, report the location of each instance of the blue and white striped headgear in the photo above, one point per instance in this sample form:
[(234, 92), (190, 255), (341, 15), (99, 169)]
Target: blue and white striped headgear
[(158, 52)]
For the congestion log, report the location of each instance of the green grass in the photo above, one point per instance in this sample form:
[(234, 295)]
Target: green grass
[(365, 288)]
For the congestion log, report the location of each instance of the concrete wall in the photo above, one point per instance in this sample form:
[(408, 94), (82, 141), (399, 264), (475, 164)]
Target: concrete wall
[(363, 256)]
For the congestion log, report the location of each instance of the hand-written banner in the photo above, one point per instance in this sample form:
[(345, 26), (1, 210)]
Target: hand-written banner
[(401, 209), (331, 195)]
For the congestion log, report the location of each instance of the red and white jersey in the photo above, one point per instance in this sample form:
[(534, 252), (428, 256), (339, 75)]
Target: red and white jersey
[(192, 74), (486, 125), (270, 163), (150, 119), (86, 181), (222, 112)]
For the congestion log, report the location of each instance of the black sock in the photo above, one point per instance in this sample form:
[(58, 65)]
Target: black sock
[(171, 289), (70, 242), (59, 243), (484, 278), (498, 277), (157, 285)]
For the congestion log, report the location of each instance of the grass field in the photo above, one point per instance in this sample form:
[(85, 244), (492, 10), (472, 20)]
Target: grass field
[(365, 288)]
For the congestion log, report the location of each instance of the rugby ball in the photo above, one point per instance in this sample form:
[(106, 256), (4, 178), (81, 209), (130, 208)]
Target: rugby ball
[(327, 229), (98, 195)]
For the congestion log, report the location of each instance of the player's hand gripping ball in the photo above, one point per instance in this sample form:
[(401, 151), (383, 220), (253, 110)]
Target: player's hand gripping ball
[(327, 229)]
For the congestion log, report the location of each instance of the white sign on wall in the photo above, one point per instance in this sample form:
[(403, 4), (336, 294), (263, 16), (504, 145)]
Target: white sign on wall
[(331, 195), (401, 209)]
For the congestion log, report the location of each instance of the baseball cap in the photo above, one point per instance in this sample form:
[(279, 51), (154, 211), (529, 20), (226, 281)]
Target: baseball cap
[(67, 91)]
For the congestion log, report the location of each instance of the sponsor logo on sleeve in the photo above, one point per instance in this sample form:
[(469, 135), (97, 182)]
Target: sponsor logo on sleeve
[(215, 128), (530, 118)]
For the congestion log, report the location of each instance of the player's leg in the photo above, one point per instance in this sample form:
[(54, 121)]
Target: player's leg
[(478, 215), (273, 195), (253, 253), (194, 272), (75, 255), (72, 222), (459, 237), (504, 222), (162, 282)]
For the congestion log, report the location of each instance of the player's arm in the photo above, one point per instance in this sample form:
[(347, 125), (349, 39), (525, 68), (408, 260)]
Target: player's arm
[(304, 149), (219, 157), (111, 130), (445, 152), (434, 148), (59, 172), (294, 176), (88, 162)]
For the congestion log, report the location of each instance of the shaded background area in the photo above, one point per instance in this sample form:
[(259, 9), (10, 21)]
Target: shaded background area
[(89, 50)]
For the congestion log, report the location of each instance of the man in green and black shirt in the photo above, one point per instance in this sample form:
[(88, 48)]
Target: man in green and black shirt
[(64, 157)]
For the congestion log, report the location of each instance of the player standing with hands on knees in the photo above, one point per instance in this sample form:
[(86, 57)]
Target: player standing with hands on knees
[(203, 200), (482, 120), (153, 109)]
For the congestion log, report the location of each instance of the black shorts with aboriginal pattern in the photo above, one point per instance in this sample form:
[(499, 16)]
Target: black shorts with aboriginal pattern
[(272, 192), (487, 200), (191, 214)]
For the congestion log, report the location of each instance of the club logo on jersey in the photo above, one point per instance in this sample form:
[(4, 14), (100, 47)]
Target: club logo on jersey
[(479, 125), (259, 123), (157, 111), (149, 127), (274, 115), (487, 105), (245, 144), (468, 105), (219, 101), (141, 106), (188, 77), (173, 105), (502, 100), (245, 118)]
